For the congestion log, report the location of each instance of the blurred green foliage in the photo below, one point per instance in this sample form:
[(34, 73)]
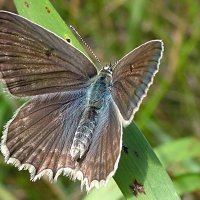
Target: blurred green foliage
[(167, 115)]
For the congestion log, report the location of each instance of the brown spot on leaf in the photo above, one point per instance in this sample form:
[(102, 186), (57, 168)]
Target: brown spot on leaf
[(136, 153), (47, 9), (125, 148), (26, 4), (136, 188)]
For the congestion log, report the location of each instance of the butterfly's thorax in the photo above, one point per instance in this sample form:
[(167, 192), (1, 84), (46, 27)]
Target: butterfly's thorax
[(97, 97)]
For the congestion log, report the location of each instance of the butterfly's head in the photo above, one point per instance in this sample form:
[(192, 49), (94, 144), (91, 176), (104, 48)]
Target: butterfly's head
[(107, 70), (106, 74)]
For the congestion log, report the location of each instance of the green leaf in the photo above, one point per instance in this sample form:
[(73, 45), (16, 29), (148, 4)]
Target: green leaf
[(185, 148), (43, 13), (187, 183), (140, 163), (5, 194), (105, 192)]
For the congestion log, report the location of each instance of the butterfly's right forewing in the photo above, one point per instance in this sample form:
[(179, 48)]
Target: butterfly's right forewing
[(133, 75), (34, 61)]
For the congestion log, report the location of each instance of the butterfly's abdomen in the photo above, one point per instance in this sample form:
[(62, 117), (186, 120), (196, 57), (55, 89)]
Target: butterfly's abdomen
[(84, 133), (97, 97)]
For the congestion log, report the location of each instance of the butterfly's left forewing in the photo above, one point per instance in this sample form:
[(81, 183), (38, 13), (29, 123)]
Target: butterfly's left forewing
[(133, 75), (34, 61)]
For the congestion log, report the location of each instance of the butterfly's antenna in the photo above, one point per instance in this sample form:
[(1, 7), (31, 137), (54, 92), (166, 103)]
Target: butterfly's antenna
[(88, 47), (110, 66)]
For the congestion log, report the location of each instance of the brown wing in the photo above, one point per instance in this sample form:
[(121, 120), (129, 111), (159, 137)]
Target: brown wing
[(40, 135), (102, 158), (35, 61), (133, 75)]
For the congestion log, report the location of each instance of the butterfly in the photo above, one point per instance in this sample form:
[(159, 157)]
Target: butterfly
[(72, 122)]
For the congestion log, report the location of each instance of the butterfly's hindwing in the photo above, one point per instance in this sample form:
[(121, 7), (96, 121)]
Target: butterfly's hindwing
[(39, 135), (101, 160)]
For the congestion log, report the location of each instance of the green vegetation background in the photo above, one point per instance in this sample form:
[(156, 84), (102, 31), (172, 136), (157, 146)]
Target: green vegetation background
[(169, 117)]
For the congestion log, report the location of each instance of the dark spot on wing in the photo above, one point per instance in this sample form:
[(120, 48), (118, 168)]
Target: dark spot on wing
[(136, 188), (132, 68), (47, 9), (49, 52), (68, 40), (26, 4)]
